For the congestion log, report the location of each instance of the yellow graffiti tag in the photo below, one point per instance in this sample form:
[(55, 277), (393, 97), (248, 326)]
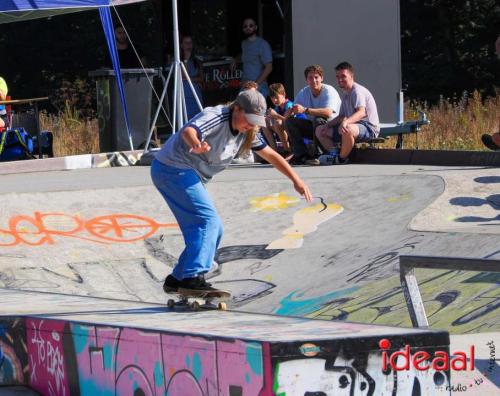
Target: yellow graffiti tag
[(273, 202), (305, 221), (399, 198)]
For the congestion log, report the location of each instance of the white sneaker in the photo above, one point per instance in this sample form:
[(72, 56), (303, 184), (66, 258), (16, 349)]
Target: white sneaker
[(244, 159)]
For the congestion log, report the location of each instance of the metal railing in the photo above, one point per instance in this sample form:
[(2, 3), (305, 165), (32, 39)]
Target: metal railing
[(407, 264)]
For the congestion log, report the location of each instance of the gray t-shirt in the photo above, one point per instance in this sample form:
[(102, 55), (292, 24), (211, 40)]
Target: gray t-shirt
[(359, 96), (254, 55), (328, 98), (213, 126)]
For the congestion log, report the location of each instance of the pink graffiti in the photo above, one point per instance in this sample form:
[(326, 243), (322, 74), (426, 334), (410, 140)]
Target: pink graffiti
[(46, 357), (165, 364)]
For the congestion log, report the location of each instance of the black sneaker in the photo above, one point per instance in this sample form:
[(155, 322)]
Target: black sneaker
[(171, 284), (488, 142), (196, 283)]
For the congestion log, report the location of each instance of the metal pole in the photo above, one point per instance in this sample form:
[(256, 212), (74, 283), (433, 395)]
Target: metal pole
[(178, 99), (153, 124)]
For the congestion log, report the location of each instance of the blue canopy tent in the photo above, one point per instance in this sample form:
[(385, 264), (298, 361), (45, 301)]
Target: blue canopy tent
[(22, 10)]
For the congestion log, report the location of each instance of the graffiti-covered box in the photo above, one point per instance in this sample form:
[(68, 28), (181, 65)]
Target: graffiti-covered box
[(252, 355)]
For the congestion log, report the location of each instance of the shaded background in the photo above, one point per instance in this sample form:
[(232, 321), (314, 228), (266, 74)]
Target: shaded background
[(447, 46)]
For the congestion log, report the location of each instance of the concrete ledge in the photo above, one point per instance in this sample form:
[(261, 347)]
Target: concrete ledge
[(69, 345), (426, 157), (84, 161), (361, 156)]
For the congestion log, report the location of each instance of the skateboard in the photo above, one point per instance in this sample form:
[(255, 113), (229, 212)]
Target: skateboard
[(197, 299)]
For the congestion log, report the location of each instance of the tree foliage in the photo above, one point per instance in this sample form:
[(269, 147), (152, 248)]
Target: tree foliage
[(448, 47)]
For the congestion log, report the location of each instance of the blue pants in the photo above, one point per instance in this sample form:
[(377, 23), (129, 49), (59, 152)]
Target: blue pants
[(196, 215)]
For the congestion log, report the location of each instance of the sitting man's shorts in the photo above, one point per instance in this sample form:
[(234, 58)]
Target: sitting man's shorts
[(366, 132)]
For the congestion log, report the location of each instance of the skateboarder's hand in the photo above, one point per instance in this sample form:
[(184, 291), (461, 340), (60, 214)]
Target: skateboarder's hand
[(303, 190), (201, 148)]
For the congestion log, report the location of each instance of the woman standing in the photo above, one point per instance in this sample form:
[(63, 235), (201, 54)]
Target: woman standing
[(194, 69), (189, 159)]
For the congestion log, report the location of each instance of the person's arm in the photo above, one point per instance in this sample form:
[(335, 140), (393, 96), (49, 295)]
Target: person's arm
[(266, 58), (359, 114), (352, 119), (319, 112), (3, 89), (274, 115), (279, 163), (190, 137), (268, 68)]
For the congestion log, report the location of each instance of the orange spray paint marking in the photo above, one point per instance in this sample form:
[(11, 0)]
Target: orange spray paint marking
[(43, 227)]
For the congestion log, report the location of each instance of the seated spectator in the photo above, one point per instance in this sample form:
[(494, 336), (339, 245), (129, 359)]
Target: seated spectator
[(358, 117), (276, 120), (248, 156), (3, 96), (492, 141), (318, 102), (249, 85)]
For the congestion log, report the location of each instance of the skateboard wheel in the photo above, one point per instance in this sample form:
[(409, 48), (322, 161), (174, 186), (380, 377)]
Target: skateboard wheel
[(170, 303), (222, 306), (195, 306)]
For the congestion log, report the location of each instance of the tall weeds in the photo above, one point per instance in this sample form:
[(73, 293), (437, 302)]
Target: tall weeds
[(455, 124), (73, 134)]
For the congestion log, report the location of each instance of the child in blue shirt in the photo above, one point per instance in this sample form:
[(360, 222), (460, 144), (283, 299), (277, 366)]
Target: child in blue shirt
[(276, 118)]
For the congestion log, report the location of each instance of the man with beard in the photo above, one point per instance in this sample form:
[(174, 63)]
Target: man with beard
[(256, 56), (126, 54), (358, 117)]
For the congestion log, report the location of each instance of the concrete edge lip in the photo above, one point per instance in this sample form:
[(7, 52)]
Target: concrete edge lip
[(83, 161), (360, 156)]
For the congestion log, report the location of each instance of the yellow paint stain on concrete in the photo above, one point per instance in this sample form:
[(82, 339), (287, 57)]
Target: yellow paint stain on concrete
[(273, 202), (451, 218), (268, 278), (399, 198), (305, 221)]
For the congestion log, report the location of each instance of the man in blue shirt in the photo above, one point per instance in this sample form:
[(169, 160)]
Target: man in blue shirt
[(257, 57)]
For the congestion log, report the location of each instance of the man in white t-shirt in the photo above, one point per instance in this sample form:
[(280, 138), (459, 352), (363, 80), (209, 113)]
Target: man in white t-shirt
[(319, 102), (358, 117)]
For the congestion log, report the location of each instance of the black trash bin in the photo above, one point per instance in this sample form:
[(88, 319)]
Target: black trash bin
[(138, 94)]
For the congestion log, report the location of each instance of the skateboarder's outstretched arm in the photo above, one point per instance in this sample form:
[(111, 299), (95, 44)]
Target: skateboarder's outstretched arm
[(279, 163)]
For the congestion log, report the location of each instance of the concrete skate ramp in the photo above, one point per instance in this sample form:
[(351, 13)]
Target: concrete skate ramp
[(107, 233)]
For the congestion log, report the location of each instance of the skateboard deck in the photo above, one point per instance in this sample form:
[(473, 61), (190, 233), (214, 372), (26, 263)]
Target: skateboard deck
[(197, 299)]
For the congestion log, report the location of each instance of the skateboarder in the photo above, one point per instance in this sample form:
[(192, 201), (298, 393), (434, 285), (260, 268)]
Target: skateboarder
[(189, 159)]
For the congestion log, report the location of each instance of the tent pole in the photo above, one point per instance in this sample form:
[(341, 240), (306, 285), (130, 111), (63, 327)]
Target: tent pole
[(179, 116), (179, 97)]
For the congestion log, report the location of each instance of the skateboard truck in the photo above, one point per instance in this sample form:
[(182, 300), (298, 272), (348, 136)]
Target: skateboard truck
[(186, 295)]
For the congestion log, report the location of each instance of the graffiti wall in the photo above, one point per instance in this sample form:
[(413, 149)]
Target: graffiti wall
[(57, 357)]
